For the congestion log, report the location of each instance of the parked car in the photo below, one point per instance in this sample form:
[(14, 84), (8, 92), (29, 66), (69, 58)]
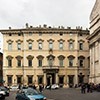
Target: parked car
[(29, 94), (5, 89), (55, 86), (14, 88), (2, 94)]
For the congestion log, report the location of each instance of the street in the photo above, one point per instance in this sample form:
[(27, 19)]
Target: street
[(64, 94)]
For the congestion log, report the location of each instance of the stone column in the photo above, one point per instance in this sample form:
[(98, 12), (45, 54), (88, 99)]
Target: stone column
[(56, 78), (45, 79)]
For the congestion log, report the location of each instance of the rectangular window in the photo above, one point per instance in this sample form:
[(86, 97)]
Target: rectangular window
[(40, 45), (9, 79), (30, 62), (81, 63), (61, 62), (30, 46), (19, 46), (18, 80), (50, 45), (29, 79), (39, 62), (19, 63), (9, 62), (60, 45), (71, 46), (80, 46), (30, 33), (40, 79), (9, 46), (70, 62)]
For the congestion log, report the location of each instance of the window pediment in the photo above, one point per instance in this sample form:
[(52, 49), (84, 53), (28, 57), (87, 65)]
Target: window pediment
[(9, 41), (9, 57), (19, 57), (40, 57), (81, 41), (50, 57), (19, 41), (61, 40), (81, 57), (71, 40), (40, 40), (70, 57), (30, 40), (50, 40), (30, 57), (61, 57)]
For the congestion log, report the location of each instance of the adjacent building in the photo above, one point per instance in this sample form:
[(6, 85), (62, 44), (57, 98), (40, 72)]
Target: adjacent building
[(45, 55), (94, 43), (1, 68)]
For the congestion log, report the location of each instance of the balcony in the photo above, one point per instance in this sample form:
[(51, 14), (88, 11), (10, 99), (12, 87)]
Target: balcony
[(50, 68)]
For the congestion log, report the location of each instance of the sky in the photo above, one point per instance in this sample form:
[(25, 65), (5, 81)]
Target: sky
[(67, 13)]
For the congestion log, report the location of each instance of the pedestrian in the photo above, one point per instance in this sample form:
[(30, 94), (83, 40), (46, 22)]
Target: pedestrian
[(41, 88), (88, 87), (83, 88)]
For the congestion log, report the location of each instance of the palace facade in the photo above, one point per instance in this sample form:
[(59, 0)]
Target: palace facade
[(45, 55), (94, 43)]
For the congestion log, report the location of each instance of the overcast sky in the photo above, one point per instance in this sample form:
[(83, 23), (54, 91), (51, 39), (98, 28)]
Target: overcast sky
[(16, 13)]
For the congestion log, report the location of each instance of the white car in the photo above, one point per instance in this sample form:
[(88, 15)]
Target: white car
[(55, 86), (2, 94), (14, 88)]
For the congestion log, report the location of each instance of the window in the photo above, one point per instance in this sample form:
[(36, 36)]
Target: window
[(9, 62), (19, 78), (71, 46), (9, 79), (40, 34), (30, 46), (29, 59), (30, 79), (40, 62), (30, 33), (71, 59), (80, 46), (40, 45), (81, 63), (10, 34), (19, 46), (60, 45), (40, 79), (40, 59), (61, 62), (30, 62), (61, 79), (9, 59), (19, 34), (50, 45), (70, 62), (19, 63), (9, 46)]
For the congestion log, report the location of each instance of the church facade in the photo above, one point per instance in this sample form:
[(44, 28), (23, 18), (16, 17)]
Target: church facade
[(94, 43), (45, 55)]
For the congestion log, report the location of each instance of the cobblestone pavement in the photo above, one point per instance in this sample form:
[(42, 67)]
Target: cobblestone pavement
[(64, 94)]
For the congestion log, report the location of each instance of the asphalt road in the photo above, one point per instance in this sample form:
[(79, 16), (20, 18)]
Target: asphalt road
[(64, 94)]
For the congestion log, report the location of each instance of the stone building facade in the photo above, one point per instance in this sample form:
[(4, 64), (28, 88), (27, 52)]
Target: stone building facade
[(1, 68), (45, 55), (94, 43)]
